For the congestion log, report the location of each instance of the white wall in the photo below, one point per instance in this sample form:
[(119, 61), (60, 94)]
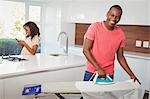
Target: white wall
[(50, 27), (134, 12)]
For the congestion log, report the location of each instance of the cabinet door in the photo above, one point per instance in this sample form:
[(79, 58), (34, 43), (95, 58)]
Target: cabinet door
[(148, 70), (1, 89), (14, 86)]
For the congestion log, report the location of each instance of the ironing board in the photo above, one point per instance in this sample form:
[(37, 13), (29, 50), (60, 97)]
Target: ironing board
[(59, 88), (117, 89)]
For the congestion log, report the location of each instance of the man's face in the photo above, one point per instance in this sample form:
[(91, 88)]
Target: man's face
[(113, 17)]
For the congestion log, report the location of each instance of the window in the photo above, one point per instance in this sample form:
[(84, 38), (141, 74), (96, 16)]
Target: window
[(35, 13), (12, 17), (35, 16)]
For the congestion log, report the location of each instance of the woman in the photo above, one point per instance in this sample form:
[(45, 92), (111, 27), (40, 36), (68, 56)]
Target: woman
[(31, 43)]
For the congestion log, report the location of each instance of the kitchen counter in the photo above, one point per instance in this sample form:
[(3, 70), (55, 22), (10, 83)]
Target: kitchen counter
[(39, 63), (78, 51), (137, 55)]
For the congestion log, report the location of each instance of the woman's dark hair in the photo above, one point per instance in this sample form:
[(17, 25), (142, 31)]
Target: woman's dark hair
[(33, 28)]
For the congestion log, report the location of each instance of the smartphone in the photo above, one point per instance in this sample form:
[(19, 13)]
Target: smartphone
[(17, 40)]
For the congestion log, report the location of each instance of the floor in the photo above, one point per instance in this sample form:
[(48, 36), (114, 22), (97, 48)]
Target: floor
[(77, 96)]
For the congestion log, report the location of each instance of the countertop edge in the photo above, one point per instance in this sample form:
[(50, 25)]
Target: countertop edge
[(126, 53), (10, 75), (137, 55)]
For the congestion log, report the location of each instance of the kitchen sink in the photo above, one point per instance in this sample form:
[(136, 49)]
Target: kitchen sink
[(57, 54)]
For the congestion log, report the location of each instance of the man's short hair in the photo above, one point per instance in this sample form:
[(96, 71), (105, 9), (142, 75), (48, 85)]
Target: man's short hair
[(117, 7)]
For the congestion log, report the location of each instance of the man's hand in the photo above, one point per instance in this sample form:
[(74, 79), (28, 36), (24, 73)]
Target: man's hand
[(101, 73), (135, 79)]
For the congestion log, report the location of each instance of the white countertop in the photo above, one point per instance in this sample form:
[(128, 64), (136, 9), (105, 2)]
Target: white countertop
[(39, 63), (137, 55), (144, 56)]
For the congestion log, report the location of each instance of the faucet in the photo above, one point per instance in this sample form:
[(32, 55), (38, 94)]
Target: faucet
[(66, 48)]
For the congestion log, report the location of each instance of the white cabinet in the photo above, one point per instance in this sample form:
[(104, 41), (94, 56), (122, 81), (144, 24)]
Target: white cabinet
[(14, 86), (148, 76), (1, 89)]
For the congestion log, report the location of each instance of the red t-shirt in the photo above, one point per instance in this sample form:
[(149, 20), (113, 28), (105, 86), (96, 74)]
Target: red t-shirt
[(105, 45)]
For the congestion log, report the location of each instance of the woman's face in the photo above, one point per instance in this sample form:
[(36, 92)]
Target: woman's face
[(27, 30)]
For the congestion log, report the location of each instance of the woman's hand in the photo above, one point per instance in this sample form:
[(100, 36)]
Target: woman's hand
[(21, 42), (135, 79)]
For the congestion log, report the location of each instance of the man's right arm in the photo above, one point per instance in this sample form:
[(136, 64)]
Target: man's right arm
[(88, 44)]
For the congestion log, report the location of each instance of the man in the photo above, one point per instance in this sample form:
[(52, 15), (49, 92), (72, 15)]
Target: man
[(102, 41)]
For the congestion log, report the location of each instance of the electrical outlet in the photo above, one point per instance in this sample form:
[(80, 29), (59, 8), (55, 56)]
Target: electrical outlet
[(146, 44), (138, 43)]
